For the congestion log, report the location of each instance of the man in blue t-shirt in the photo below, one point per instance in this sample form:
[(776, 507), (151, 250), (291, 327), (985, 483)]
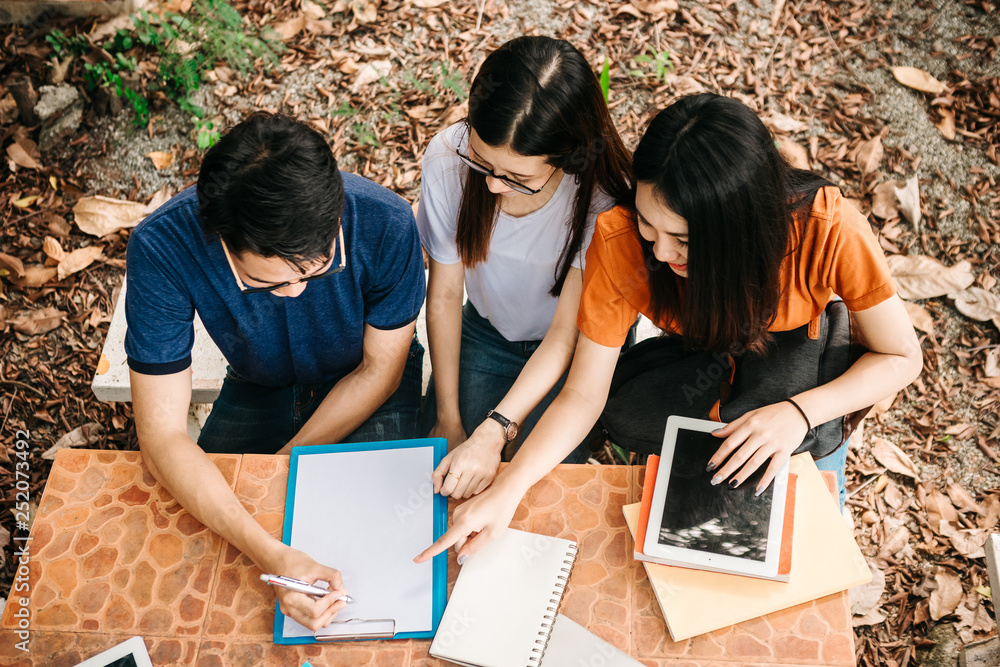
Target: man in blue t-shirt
[(309, 280)]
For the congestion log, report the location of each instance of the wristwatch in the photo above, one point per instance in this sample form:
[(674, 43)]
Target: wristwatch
[(510, 428)]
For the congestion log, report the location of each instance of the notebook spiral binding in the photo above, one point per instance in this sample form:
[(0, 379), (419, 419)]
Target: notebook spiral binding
[(549, 619)]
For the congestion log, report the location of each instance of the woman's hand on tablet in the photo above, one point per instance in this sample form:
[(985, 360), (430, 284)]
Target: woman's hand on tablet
[(771, 432)]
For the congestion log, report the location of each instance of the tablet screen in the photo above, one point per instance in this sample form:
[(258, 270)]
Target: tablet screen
[(127, 661), (713, 519)]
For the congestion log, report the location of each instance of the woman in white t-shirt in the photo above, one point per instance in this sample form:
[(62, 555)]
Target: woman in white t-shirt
[(507, 208)]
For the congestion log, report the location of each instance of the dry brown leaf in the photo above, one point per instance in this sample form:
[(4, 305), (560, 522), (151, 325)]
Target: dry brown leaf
[(895, 543), (969, 542), (159, 198), (21, 158), (973, 618), (35, 276), (939, 511), (81, 436), (57, 225), (365, 11), (34, 322), (370, 73), (780, 121), (977, 303), (866, 597), (962, 498), (53, 250), (991, 367), (313, 10), (100, 216), (288, 29), (881, 406), (10, 265), (894, 458), (314, 27), (989, 513), (945, 598), (947, 123), (78, 260), (455, 114), (870, 155), (684, 85), (884, 204), (428, 4), (918, 79), (893, 496), (655, 7), (161, 159), (796, 155), (873, 617), (909, 200), (919, 317), (922, 277)]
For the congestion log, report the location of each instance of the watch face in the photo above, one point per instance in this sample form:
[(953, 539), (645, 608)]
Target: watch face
[(511, 431)]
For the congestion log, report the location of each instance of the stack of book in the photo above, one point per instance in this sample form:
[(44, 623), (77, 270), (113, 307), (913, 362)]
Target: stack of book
[(713, 563)]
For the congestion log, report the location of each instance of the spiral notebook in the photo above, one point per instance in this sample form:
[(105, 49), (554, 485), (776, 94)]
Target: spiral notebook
[(504, 603)]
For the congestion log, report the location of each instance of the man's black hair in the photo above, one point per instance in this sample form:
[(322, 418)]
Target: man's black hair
[(271, 187)]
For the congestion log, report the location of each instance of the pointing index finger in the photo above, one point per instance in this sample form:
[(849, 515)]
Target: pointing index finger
[(442, 544)]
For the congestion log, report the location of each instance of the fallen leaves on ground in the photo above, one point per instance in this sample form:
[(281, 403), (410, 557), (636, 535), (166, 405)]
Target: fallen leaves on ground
[(78, 260), (908, 199), (918, 79), (100, 216), (922, 277), (894, 458), (161, 159), (34, 322), (81, 436), (977, 303)]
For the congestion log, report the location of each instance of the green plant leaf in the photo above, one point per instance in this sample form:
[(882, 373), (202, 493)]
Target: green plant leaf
[(606, 79)]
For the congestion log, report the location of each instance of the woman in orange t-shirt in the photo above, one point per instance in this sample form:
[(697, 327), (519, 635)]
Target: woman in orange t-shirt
[(723, 244)]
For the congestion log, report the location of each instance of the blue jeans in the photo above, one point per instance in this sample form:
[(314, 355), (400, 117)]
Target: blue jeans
[(836, 462), (487, 368), (248, 418)]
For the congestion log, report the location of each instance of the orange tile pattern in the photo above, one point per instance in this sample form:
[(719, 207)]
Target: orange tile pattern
[(111, 546)]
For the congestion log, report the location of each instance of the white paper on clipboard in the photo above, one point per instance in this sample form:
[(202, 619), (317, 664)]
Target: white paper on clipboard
[(368, 514)]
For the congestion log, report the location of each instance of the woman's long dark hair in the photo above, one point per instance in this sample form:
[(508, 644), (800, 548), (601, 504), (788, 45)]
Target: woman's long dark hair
[(538, 96), (711, 161)]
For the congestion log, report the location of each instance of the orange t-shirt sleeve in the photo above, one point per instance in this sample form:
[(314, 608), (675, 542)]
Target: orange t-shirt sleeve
[(856, 266), (604, 315)]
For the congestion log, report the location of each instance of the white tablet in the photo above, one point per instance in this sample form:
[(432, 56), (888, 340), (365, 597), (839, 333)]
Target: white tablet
[(695, 524), (131, 653)]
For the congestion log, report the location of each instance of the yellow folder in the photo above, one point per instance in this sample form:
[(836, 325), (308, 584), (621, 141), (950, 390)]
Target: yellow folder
[(825, 560)]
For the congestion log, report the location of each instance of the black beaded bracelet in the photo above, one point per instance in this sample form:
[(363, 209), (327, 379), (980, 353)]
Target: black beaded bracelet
[(801, 412)]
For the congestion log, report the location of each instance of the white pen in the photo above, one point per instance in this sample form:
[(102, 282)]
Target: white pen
[(300, 586)]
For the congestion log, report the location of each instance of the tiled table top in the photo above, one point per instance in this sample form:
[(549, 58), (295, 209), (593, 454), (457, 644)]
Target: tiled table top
[(113, 555)]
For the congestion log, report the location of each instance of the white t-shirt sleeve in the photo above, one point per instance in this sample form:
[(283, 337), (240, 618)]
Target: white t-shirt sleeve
[(599, 203), (440, 194)]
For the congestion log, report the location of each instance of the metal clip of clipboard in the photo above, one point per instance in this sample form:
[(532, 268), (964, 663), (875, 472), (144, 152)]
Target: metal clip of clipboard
[(330, 637)]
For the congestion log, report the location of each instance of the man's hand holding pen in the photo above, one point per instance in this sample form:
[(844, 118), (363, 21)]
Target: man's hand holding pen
[(312, 612)]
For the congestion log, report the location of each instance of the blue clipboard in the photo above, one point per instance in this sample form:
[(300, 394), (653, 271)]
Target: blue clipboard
[(300, 456)]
